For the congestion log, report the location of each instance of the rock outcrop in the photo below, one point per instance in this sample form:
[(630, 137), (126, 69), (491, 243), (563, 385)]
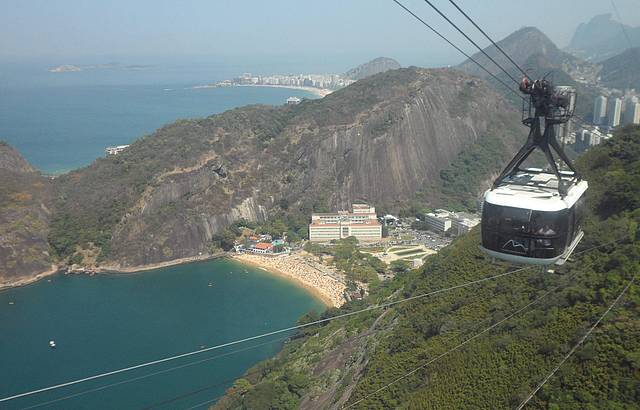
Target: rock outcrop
[(381, 139), (25, 198)]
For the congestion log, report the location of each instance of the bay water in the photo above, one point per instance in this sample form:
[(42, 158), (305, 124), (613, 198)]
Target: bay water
[(111, 321)]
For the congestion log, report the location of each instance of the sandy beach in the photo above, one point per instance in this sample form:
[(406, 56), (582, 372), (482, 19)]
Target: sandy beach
[(316, 278), (320, 92)]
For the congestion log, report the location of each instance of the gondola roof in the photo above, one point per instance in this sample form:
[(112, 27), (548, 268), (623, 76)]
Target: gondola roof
[(535, 190)]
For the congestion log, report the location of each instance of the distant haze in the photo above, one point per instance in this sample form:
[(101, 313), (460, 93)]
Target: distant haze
[(332, 35)]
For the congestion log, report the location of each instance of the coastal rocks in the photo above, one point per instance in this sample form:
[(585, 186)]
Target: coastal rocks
[(24, 218)]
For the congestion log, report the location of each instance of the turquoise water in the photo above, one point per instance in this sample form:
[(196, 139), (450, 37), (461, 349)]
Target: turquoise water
[(106, 322), (61, 127)]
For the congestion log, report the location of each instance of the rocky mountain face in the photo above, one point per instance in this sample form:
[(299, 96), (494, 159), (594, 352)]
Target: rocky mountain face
[(381, 140), (25, 200), (602, 37), (622, 71), (375, 66)]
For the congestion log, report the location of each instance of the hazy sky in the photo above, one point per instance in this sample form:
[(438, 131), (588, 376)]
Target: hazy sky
[(131, 30)]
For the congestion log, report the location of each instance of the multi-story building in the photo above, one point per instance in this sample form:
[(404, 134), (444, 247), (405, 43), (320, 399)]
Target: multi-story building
[(463, 222), (440, 220), (361, 222), (614, 110), (632, 112), (600, 110)]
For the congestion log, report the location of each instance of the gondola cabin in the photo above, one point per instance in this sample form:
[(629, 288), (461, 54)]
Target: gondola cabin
[(526, 220)]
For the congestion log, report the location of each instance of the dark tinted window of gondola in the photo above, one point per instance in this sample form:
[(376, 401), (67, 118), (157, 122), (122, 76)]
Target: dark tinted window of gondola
[(548, 223), (505, 218)]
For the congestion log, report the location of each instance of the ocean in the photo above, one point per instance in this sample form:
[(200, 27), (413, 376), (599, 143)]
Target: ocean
[(63, 121), (106, 322), (60, 128)]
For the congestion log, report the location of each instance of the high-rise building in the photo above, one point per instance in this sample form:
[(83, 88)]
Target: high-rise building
[(600, 110), (632, 112), (614, 111)]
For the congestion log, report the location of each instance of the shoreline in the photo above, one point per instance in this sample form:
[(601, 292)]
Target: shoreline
[(31, 280), (110, 269), (268, 264), (158, 265), (320, 291), (320, 92)]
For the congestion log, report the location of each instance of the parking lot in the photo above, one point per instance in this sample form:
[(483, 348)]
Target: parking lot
[(403, 234)]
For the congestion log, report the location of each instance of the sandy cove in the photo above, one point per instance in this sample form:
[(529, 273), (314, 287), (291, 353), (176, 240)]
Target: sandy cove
[(314, 277)]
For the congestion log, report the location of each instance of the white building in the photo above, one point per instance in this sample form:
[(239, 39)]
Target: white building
[(464, 222), (600, 110), (614, 111), (632, 112), (458, 223), (115, 150), (439, 221), (362, 223)]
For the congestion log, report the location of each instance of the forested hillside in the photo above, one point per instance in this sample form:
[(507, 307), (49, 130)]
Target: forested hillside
[(380, 139), (401, 357)]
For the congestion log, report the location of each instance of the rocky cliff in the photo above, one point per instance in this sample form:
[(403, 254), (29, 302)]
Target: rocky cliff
[(382, 140), (25, 199)]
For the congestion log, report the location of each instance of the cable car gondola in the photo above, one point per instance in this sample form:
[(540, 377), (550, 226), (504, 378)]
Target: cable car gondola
[(532, 216)]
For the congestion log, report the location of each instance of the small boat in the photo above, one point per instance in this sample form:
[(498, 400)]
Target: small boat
[(11, 303), (52, 344), (210, 284)]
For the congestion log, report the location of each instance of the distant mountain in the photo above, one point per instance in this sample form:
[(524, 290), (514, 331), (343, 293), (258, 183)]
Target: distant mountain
[(538, 56), (622, 71), (531, 49), (375, 66), (601, 38)]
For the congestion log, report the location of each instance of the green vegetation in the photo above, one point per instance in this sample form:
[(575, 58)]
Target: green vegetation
[(356, 265), (357, 355), (469, 170)]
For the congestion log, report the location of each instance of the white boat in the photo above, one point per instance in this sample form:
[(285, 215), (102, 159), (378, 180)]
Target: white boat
[(52, 344)]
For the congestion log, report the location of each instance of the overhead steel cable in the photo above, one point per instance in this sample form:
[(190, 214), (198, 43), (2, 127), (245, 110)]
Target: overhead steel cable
[(225, 382), (453, 349), (171, 369), (263, 335), (471, 41), (284, 330), (498, 79), (524, 73), (575, 347)]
